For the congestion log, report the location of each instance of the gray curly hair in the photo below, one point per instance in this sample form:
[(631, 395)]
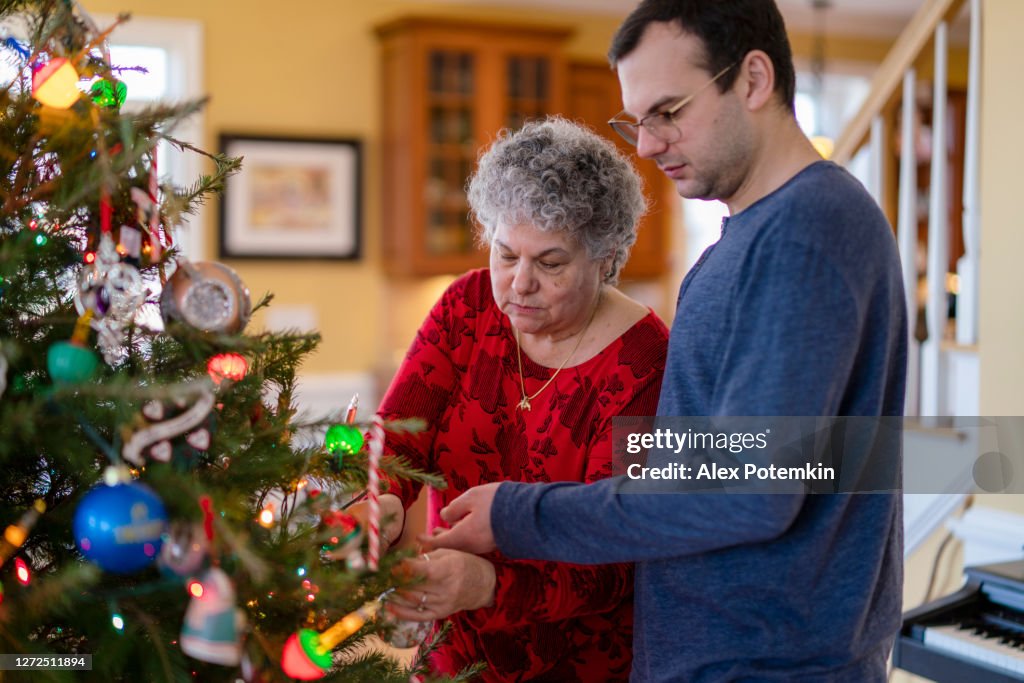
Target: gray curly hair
[(558, 175)]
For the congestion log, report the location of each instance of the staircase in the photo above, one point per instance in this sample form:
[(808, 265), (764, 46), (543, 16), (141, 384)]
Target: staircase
[(943, 368)]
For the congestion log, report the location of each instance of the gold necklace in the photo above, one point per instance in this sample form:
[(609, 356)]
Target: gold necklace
[(525, 403)]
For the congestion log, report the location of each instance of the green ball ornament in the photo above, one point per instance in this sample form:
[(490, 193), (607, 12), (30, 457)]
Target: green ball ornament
[(107, 94), (343, 440), (70, 363)]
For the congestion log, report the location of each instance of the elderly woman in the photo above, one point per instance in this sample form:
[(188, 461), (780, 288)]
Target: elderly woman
[(518, 371)]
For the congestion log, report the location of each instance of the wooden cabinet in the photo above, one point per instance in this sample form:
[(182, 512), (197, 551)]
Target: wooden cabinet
[(593, 99), (448, 87)]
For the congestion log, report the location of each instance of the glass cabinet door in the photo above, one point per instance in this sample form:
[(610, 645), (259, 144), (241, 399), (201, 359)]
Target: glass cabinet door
[(451, 150), (528, 89)]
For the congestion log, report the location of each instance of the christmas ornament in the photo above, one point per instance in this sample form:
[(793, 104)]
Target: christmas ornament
[(113, 291), (208, 296), (402, 634), (307, 654), (129, 244), (119, 527), (71, 362), (343, 439), (148, 210), (213, 626), (231, 366), (55, 84), (155, 440), (185, 551), (344, 534), (14, 45), (373, 493), (108, 94)]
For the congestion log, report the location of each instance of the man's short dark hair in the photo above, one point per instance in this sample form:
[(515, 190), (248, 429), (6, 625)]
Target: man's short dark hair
[(728, 30)]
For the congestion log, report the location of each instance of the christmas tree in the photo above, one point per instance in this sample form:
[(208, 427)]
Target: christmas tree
[(166, 509)]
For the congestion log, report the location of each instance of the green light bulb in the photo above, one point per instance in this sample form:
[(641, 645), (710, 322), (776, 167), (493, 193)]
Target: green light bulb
[(107, 94), (343, 439)]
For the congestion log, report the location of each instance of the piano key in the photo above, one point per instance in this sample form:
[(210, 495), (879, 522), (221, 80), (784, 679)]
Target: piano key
[(987, 650)]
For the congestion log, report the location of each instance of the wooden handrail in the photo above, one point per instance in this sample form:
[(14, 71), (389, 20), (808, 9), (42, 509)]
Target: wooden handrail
[(904, 53)]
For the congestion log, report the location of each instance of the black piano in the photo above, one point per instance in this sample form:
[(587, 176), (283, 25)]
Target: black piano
[(975, 635)]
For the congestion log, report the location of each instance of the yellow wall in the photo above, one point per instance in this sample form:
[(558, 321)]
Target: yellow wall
[(312, 70), (1001, 325)]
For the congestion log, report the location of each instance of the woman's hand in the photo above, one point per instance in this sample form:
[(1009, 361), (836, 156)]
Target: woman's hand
[(392, 518), (452, 581)]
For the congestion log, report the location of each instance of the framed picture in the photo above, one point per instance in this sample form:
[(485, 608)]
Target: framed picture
[(295, 198)]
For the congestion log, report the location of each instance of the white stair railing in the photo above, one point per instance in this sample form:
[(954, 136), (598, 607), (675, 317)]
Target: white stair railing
[(967, 265), (937, 368), (937, 306), (906, 231)]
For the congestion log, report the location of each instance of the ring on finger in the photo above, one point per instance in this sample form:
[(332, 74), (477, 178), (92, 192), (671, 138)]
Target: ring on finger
[(423, 603)]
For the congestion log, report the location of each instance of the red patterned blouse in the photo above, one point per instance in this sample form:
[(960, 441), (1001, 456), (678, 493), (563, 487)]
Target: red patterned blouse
[(550, 621)]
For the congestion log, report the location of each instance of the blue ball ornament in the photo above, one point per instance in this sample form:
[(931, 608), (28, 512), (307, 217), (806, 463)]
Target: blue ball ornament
[(119, 527)]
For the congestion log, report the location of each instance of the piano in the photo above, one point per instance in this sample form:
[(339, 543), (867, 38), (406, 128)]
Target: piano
[(975, 635)]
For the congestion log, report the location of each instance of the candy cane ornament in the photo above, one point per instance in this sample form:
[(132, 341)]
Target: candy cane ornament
[(373, 492)]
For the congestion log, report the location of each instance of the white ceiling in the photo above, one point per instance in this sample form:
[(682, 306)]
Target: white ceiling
[(856, 17)]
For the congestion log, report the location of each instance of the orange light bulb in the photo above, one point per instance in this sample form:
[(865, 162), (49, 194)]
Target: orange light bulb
[(56, 84)]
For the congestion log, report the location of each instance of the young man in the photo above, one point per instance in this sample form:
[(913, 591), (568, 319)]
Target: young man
[(796, 311)]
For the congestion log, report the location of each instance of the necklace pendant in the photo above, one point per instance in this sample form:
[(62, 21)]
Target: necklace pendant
[(524, 404)]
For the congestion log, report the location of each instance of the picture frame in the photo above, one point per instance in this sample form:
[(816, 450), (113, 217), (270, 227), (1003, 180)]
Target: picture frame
[(295, 198)]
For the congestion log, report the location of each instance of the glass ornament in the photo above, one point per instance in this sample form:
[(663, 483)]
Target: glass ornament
[(119, 527)]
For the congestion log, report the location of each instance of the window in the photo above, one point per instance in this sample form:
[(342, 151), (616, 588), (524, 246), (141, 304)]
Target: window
[(171, 52)]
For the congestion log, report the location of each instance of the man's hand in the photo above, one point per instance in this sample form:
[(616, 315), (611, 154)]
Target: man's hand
[(470, 517)]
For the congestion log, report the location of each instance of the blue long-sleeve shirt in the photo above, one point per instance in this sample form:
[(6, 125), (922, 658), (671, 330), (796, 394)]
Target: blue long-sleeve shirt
[(797, 310)]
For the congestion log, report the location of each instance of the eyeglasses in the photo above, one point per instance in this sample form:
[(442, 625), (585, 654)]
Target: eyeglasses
[(660, 124)]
